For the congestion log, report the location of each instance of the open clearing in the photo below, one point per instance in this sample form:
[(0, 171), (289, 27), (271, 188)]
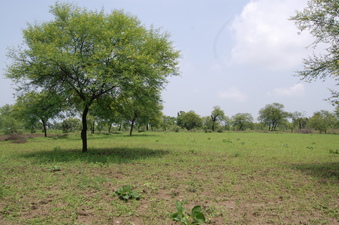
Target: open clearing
[(238, 178)]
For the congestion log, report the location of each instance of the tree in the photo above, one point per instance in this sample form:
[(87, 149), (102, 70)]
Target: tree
[(321, 18), (139, 109), (322, 121), (299, 120), (33, 107), (105, 113), (273, 115), (167, 122), (207, 123), (189, 120), (70, 125), (154, 119), (217, 116), (336, 111), (86, 56), (242, 121), (8, 121)]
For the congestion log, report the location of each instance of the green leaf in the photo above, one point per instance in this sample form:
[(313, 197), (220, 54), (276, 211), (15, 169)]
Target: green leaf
[(126, 197), (178, 206), (177, 216), (199, 217), (196, 208), (126, 188)]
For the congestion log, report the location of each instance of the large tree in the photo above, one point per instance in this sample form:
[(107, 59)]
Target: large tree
[(217, 116), (273, 115), (321, 18), (189, 120), (242, 121), (322, 121), (88, 55), (299, 120), (139, 109)]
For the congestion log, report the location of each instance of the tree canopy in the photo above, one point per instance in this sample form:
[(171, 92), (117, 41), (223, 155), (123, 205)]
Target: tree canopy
[(189, 120), (321, 18), (217, 116), (273, 115), (89, 56), (33, 107), (242, 121), (8, 121), (322, 120)]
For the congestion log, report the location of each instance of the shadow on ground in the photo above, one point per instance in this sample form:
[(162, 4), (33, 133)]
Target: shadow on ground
[(110, 155), (324, 171)]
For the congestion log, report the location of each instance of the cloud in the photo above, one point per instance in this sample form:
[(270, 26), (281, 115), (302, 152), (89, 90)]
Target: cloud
[(233, 93), (265, 37), (297, 90)]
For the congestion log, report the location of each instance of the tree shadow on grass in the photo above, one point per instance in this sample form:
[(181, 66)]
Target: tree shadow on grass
[(323, 171), (105, 155)]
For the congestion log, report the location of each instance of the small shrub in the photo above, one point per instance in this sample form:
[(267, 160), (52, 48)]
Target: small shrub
[(126, 193), (196, 217)]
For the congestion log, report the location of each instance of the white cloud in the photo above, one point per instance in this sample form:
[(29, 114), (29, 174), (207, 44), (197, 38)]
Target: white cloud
[(233, 93), (297, 90), (265, 37)]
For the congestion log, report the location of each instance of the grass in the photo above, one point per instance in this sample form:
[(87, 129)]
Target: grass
[(237, 178)]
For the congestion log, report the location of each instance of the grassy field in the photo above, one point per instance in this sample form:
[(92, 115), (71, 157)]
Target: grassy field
[(237, 178)]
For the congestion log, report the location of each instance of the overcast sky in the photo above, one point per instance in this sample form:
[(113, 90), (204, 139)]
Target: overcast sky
[(236, 54)]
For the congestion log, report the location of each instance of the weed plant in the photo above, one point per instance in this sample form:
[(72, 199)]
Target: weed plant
[(196, 216), (236, 178)]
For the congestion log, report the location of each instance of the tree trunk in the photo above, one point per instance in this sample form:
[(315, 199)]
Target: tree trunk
[(132, 125), (109, 128), (93, 129), (84, 129), (44, 127)]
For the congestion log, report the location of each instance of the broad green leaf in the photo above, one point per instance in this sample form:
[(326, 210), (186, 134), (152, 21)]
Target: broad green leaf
[(177, 216), (196, 208), (199, 217)]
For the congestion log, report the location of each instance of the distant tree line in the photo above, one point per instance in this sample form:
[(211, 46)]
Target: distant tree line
[(33, 114)]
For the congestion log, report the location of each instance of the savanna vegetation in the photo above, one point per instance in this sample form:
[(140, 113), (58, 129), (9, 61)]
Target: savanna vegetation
[(236, 178), (96, 76)]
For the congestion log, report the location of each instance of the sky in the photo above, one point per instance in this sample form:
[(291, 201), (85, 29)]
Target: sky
[(239, 55)]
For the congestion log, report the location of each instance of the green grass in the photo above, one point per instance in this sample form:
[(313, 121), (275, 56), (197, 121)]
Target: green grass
[(237, 178)]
